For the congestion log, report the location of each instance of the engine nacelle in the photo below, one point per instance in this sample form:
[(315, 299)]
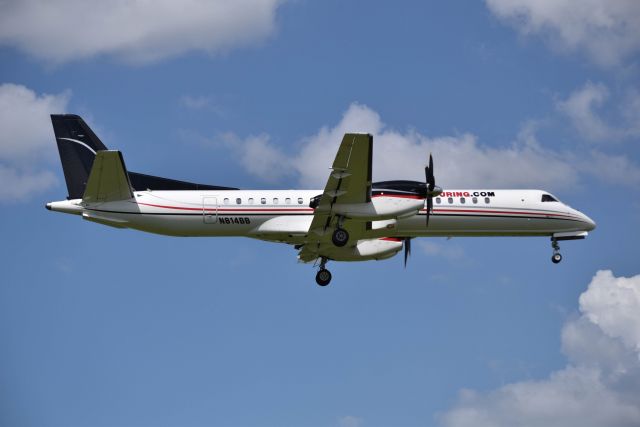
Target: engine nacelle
[(380, 208), (368, 249)]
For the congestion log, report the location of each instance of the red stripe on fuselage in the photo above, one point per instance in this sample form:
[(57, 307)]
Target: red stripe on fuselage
[(229, 209), (494, 211)]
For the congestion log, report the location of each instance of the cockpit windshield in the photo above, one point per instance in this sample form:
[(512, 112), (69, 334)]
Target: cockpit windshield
[(548, 198)]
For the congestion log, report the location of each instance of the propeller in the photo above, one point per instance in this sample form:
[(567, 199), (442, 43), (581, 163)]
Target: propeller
[(407, 250), (432, 190), (431, 185)]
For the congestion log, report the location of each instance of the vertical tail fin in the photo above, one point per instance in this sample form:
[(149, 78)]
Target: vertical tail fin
[(77, 145)]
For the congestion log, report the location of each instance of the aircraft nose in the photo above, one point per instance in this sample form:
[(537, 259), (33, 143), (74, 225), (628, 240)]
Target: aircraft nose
[(590, 224)]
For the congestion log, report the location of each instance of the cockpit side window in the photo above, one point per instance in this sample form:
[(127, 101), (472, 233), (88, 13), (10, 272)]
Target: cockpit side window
[(548, 198)]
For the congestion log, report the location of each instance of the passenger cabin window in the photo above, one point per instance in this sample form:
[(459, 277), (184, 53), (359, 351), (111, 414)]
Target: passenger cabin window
[(300, 201), (275, 200), (462, 200), (263, 200), (438, 200), (487, 200), (548, 198), (238, 201), (226, 200), (474, 200), (250, 200), (287, 201), (450, 200)]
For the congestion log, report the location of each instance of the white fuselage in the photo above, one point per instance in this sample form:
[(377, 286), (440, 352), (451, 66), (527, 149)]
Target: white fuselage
[(285, 215)]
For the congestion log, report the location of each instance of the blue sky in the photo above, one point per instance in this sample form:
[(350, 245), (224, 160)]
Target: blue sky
[(107, 327)]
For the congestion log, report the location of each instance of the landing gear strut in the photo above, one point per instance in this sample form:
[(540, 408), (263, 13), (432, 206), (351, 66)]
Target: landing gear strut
[(323, 277), (556, 257)]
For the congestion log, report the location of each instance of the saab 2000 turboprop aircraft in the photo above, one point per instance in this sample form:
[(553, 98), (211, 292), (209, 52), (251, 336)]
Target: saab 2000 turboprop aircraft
[(352, 219)]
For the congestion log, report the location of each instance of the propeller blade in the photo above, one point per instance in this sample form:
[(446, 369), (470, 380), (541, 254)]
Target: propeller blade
[(431, 180), (407, 250), (431, 165), (431, 185)]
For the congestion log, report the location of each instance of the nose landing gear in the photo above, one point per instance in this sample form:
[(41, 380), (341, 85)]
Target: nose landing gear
[(323, 277), (556, 257)]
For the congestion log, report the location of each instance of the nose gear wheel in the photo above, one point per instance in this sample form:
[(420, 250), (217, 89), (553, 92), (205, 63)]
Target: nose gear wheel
[(556, 257)]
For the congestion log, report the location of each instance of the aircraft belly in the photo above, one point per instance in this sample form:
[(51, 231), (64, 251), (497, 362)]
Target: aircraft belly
[(176, 225)]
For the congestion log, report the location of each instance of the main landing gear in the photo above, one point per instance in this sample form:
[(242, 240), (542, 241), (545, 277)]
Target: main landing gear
[(556, 257), (323, 277), (340, 236)]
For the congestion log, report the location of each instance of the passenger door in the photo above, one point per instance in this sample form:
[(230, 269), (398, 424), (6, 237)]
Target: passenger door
[(209, 209)]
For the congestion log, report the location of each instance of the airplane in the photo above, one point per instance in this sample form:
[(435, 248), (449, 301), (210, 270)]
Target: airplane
[(351, 219)]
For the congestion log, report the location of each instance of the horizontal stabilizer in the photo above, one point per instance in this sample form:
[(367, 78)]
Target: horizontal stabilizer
[(108, 180)]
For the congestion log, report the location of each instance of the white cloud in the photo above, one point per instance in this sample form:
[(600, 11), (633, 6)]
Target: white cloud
[(27, 139), (582, 105), (613, 304), (579, 107), (25, 123), (259, 157), (18, 184), (607, 30), (135, 31), (612, 169), (460, 161), (600, 386)]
